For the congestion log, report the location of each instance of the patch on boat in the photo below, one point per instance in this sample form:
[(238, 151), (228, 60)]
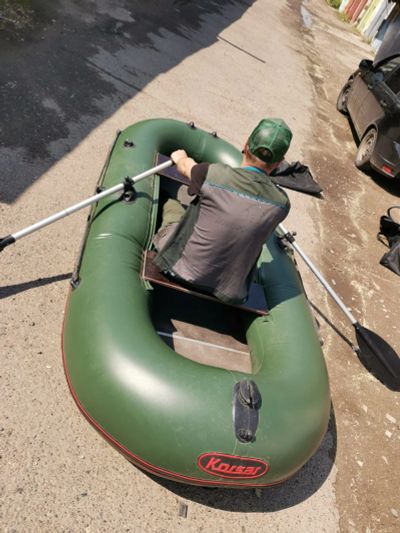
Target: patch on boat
[(232, 466)]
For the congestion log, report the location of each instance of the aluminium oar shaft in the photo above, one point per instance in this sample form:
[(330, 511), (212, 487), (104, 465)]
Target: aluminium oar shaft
[(369, 343), (77, 207), (318, 274), (66, 212)]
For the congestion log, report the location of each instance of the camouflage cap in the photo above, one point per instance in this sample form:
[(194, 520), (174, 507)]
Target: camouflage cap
[(270, 140)]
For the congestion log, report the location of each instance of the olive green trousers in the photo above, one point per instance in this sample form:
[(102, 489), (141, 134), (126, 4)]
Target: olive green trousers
[(172, 213)]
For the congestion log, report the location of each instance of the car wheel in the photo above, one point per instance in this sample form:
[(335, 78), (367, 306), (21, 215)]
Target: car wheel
[(341, 104), (366, 149)]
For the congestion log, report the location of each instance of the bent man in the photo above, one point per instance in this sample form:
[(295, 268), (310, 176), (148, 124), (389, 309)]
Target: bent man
[(215, 244)]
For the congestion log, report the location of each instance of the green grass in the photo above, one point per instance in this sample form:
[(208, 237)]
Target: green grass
[(343, 17), (334, 3)]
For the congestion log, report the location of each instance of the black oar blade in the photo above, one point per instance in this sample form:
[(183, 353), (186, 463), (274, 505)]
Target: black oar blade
[(372, 346)]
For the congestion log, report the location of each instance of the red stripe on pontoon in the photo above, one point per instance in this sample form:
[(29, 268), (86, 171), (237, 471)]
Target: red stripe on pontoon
[(147, 466)]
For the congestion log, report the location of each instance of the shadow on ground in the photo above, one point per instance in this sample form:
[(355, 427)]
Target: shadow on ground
[(12, 290), (271, 499), (392, 186), (66, 66), (372, 359)]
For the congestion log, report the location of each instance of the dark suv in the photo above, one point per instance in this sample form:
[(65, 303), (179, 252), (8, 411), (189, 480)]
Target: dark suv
[(371, 98)]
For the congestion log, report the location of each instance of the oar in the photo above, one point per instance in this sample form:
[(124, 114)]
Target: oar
[(126, 184), (369, 343)]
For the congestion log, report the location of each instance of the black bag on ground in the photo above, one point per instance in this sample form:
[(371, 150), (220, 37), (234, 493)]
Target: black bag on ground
[(296, 176), (390, 229)]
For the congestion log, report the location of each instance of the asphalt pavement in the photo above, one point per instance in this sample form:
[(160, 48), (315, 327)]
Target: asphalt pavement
[(71, 75)]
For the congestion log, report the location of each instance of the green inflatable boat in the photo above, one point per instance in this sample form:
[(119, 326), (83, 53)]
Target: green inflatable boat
[(188, 388)]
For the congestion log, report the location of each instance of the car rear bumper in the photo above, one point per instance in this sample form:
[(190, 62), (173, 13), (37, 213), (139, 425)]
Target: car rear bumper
[(386, 157)]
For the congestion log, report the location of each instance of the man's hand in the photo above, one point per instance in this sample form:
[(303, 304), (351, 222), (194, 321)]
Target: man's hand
[(178, 155), (184, 163)]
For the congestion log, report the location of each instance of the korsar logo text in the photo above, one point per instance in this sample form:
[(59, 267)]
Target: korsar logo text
[(232, 466)]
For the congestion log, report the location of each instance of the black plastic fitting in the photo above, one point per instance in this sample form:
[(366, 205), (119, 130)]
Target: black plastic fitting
[(6, 241)]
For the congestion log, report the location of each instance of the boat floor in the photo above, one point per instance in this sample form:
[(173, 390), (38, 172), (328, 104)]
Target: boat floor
[(204, 331)]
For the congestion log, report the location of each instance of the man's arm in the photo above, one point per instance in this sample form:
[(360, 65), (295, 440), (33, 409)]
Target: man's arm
[(184, 163)]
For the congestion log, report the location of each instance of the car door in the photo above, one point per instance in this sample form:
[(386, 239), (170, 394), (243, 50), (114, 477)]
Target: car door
[(356, 98), (359, 96), (390, 101), (385, 91), (369, 108)]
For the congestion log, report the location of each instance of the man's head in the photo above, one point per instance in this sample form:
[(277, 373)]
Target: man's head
[(269, 141)]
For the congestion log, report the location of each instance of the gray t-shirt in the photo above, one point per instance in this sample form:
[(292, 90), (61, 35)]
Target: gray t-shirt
[(216, 244)]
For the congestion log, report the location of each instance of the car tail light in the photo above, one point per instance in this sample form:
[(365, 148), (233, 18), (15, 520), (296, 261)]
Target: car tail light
[(387, 170)]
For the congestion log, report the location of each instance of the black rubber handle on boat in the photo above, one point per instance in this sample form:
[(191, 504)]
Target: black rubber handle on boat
[(246, 404)]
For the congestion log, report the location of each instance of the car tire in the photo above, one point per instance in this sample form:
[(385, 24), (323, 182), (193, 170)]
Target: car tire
[(366, 149), (341, 104)]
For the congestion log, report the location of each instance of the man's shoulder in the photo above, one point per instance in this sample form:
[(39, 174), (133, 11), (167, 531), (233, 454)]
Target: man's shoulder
[(220, 172), (257, 185)]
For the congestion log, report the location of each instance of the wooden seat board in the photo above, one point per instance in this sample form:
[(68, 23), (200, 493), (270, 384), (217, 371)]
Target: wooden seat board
[(256, 302), (171, 172)]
